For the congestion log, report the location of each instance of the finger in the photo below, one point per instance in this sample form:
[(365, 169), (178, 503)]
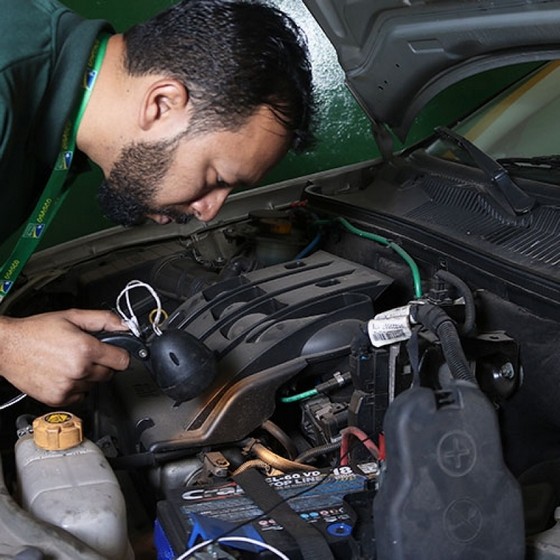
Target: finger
[(95, 320), (97, 373), (74, 398), (59, 402), (55, 396), (107, 357)]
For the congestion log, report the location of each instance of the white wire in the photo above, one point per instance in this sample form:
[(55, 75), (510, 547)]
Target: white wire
[(13, 401), (203, 544), (130, 319)]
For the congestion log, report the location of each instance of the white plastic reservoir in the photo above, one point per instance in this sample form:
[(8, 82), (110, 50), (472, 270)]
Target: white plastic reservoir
[(65, 479)]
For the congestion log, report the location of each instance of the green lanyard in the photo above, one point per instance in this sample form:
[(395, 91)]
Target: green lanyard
[(54, 192)]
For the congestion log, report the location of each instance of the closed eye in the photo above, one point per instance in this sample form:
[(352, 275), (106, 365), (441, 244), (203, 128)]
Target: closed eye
[(222, 183)]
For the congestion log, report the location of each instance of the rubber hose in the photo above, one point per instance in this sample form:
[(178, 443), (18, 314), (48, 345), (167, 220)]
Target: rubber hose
[(277, 461), (253, 464), (24, 421), (281, 436)]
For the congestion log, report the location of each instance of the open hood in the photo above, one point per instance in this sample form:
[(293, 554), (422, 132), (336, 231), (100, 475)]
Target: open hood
[(397, 55)]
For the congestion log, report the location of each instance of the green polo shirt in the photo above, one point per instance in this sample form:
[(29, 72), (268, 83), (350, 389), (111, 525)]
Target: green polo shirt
[(44, 48)]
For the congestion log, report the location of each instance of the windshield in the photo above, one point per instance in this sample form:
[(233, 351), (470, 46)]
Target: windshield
[(519, 124)]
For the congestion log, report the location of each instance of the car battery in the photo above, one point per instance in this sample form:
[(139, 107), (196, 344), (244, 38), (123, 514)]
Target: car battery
[(199, 513)]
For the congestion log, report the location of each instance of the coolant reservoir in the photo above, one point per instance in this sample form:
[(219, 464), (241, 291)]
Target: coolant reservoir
[(65, 479)]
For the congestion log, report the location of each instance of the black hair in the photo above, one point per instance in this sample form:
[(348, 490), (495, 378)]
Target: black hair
[(232, 56)]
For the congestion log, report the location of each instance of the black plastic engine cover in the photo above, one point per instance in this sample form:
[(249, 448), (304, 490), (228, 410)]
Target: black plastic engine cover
[(264, 327), (446, 492)]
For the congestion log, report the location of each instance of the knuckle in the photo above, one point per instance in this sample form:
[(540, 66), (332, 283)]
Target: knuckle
[(124, 361), (84, 354)]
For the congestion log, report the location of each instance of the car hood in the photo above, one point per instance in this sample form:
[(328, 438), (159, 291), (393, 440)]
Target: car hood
[(397, 55)]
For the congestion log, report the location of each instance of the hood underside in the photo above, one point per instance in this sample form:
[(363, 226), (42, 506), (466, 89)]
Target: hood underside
[(398, 55)]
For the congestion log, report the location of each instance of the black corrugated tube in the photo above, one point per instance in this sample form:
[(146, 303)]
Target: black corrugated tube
[(313, 452), (436, 320), (468, 324)]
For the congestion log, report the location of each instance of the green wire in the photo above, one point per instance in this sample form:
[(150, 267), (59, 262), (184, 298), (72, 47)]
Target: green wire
[(397, 248), (300, 396), (383, 241)]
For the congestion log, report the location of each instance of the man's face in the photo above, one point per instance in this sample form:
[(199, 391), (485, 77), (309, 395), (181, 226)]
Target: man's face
[(182, 177)]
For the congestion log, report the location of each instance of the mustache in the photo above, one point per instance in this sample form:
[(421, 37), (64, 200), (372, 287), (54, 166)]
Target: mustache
[(177, 216)]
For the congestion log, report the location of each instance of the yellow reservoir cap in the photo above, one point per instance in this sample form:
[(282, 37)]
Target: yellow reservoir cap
[(57, 431)]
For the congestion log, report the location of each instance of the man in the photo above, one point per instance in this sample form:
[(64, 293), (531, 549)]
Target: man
[(203, 98)]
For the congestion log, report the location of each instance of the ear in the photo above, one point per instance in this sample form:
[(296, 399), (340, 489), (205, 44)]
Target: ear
[(164, 103)]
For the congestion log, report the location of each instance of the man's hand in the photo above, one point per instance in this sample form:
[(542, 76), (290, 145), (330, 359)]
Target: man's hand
[(53, 359)]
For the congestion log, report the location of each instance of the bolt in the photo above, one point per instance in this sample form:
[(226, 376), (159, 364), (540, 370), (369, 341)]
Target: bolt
[(507, 371), (142, 353)]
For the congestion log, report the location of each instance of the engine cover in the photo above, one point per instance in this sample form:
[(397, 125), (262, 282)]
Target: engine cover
[(265, 327)]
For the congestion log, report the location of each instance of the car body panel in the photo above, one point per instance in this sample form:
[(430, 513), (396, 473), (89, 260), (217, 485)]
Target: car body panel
[(397, 56)]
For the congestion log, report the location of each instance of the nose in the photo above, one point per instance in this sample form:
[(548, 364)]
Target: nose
[(206, 208)]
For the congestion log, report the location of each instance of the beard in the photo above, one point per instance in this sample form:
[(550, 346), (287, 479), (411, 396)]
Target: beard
[(126, 196)]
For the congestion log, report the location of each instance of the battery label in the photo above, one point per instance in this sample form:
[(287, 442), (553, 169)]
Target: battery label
[(316, 496), (308, 493)]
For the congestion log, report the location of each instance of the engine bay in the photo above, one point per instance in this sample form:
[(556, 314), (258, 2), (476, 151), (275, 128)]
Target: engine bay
[(358, 371)]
